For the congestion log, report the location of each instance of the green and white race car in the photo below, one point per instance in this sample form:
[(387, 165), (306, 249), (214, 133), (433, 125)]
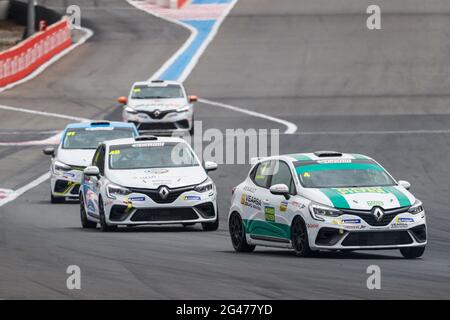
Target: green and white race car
[(325, 201)]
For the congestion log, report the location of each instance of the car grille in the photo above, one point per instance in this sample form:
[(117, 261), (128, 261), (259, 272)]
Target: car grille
[(156, 126), (368, 217), (377, 238), (155, 196), (163, 214), (161, 114)]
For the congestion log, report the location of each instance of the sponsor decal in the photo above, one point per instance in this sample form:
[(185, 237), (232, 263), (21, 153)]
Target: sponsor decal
[(114, 152), (148, 145), (136, 198), (283, 206), (156, 171), (351, 221), (71, 133), (312, 225), (250, 201), (250, 189), (69, 175), (192, 198), (402, 222), (334, 161), (375, 203), (297, 204), (345, 191), (269, 213)]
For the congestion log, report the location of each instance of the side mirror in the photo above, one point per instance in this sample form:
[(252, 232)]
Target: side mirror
[(123, 100), (281, 190), (210, 166), (193, 99), (49, 151), (404, 184), (91, 171)]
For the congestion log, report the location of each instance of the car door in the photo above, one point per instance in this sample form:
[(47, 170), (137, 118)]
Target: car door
[(283, 208), (252, 197), (92, 184)]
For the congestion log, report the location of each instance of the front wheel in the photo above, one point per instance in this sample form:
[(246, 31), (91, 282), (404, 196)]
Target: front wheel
[(299, 237), (104, 226), (85, 223), (237, 233), (54, 199), (412, 253), (211, 226)]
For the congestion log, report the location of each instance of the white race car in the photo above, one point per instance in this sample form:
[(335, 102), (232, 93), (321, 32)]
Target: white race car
[(160, 107), (325, 201), (78, 144), (148, 180)]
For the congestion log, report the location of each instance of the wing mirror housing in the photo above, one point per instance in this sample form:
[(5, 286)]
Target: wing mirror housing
[(91, 171), (123, 100), (404, 184), (193, 99), (210, 166), (49, 151), (281, 190)]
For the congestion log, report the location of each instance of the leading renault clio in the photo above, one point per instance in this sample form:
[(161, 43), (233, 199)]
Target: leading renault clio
[(325, 201), (147, 180)]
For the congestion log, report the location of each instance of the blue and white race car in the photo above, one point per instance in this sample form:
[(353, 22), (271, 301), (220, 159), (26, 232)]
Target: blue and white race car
[(74, 153), (325, 201)]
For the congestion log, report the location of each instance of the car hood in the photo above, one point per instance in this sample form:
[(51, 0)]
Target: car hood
[(76, 157), (156, 104), (362, 198), (153, 178)]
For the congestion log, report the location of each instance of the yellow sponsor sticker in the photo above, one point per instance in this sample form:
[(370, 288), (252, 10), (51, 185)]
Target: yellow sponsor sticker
[(283, 206), (307, 175), (71, 133), (269, 214), (114, 152)]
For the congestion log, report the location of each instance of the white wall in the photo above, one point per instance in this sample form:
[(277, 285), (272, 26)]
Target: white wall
[(3, 9)]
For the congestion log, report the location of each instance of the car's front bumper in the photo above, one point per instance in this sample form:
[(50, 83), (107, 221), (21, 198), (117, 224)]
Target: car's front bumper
[(140, 209), (353, 233), (172, 122), (66, 184)]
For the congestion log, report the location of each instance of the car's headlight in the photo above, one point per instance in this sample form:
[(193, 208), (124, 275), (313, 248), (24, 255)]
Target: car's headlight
[(186, 108), (130, 110), (416, 208), (113, 190), (206, 186), (319, 211), (60, 167)]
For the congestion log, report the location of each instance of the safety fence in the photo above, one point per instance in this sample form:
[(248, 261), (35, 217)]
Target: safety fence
[(18, 62)]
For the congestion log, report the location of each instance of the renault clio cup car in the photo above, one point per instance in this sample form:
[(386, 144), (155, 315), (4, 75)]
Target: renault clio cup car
[(159, 107), (325, 201), (148, 180), (78, 144)]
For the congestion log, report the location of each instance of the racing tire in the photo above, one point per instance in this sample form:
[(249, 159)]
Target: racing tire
[(299, 238), (191, 130), (54, 199), (237, 234), (211, 226), (85, 223), (104, 226), (412, 252)]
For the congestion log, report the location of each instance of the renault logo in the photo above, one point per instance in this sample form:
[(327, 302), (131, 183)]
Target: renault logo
[(157, 113), (378, 213), (164, 193)]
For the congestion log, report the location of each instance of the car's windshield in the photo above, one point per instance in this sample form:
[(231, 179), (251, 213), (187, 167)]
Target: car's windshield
[(90, 138), (342, 173), (151, 155), (170, 91)]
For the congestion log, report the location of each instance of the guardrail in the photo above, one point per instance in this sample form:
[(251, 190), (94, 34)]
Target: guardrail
[(18, 62)]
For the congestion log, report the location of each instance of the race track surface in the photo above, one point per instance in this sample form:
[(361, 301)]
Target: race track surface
[(314, 63)]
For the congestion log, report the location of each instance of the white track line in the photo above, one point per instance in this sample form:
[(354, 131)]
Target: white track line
[(43, 113), (290, 127), (15, 194)]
